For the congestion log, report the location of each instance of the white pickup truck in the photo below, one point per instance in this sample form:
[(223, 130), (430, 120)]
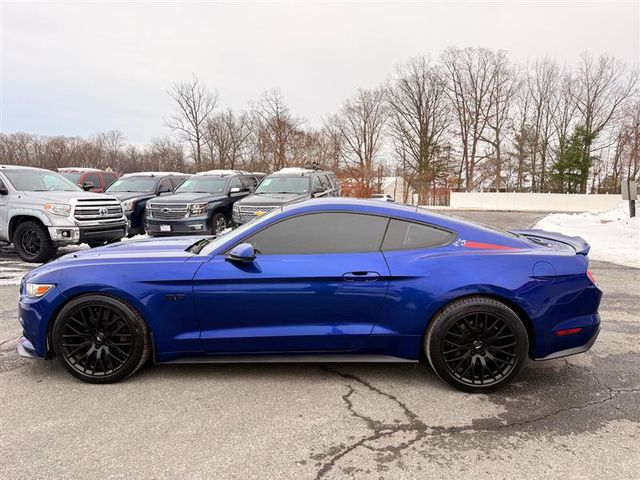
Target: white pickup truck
[(41, 210)]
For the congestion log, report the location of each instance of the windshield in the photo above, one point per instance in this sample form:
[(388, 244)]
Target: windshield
[(72, 177), (208, 245), (133, 184), (39, 181), (202, 185), (279, 184)]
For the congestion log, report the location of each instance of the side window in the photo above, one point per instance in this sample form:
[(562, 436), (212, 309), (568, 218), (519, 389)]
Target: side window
[(165, 185), (326, 184), (249, 183), (316, 184), (403, 235), (93, 178), (235, 183), (109, 178), (176, 181), (322, 233)]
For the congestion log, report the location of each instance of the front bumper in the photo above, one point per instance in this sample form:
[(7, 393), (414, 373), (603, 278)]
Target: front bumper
[(88, 233), (26, 349), (186, 226)]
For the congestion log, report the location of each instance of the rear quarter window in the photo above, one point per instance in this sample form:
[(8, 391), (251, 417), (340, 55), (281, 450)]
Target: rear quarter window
[(403, 235)]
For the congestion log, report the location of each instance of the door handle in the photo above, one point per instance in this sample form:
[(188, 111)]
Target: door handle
[(361, 276)]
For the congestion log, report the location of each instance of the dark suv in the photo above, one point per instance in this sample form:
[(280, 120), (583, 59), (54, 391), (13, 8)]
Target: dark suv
[(286, 186), (134, 190), (202, 204)]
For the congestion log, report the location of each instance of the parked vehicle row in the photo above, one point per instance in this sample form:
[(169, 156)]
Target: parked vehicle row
[(156, 203)]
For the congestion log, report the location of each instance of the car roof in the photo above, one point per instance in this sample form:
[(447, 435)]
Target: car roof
[(21, 167), (155, 174), (374, 207), (78, 169), (223, 173), (297, 171)]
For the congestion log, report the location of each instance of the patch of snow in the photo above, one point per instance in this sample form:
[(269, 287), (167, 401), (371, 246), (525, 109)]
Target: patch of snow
[(613, 236)]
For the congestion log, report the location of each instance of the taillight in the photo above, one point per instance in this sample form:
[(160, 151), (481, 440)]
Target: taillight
[(592, 277)]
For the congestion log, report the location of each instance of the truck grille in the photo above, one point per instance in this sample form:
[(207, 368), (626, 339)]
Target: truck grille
[(90, 209), (248, 213), (167, 211)]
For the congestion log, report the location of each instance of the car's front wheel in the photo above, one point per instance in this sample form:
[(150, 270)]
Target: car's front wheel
[(476, 344), (32, 242), (100, 339)]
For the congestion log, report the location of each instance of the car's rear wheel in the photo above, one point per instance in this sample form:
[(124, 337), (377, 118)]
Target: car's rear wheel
[(218, 223), (100, 339), (476, 344), (32, 242)]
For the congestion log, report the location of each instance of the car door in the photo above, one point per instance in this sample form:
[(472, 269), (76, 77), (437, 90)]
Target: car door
[(317, 285), (4, 209)]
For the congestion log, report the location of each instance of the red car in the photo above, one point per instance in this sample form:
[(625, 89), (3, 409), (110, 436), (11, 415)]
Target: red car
[(90, 179)]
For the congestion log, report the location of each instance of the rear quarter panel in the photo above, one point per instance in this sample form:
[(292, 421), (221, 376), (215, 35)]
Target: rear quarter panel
[(544, 289)]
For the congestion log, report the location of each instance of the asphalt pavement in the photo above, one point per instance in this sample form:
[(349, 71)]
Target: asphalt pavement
[(577, 417)]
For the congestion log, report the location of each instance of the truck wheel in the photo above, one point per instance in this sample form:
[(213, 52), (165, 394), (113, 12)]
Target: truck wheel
[(32, 242), (218, 223)]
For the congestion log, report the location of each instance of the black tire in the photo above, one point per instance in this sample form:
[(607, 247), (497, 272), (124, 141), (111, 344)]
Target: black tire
[(32, 242), (476, 344), (219, 222), (100, 339)]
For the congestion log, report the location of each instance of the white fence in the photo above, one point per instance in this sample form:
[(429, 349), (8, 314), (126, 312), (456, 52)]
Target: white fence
[(543, 202)]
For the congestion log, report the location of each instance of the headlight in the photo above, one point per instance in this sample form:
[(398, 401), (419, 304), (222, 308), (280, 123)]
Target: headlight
[(61, 209), (36, 290), (196, 209), (129, 204)]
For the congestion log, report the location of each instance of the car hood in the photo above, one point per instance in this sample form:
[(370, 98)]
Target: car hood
[(273, 199), (122, 196), (65, 197), (191, 198), (143, 248)]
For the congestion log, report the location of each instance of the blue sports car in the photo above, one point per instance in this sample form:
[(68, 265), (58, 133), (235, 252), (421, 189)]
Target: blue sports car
[(320, 281)]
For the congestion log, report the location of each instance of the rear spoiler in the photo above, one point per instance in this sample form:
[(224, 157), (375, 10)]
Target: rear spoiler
[(577, 243)]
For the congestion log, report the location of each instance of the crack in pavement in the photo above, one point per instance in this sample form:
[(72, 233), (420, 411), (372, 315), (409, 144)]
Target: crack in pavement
[(416, 426)]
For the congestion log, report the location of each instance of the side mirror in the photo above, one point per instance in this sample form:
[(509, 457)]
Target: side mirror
[(317, 190), (243, 252), (4, 191), (86, 186), (234, 190), (163, 190)]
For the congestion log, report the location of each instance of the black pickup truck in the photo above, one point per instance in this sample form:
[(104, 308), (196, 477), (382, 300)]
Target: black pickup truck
[(202, 204)]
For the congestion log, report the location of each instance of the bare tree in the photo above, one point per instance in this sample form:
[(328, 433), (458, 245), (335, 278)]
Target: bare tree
[(274, 130), (469, 86), (226, 136), (195, 104), (420, 116), (502, 94), (601, 87), (361, 121)]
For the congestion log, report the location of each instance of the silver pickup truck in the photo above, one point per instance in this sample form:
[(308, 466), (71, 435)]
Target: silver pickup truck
[(41, 210)]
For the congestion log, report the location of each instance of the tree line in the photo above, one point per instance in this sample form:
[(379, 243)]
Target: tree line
[(470, 119)]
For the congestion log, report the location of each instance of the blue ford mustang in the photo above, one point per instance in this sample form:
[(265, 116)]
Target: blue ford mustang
[(323, 280)]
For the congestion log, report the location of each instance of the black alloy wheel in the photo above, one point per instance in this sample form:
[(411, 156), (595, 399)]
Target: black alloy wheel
[(479, 348), (100, 339), (32, 242), (476, 344)]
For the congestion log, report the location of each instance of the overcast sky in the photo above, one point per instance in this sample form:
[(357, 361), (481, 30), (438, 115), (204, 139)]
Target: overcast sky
[(74, 68)]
